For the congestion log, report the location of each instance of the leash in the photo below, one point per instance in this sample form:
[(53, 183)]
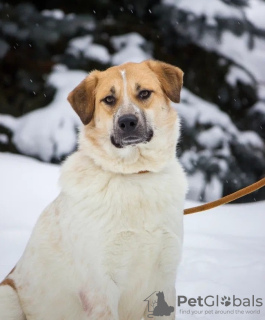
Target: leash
[(233, 196)]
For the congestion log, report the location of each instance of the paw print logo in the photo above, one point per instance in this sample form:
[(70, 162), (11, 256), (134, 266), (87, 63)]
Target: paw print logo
[(226, 301)]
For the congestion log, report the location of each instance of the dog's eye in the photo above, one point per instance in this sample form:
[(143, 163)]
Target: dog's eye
[(110, 100), (144, 94)]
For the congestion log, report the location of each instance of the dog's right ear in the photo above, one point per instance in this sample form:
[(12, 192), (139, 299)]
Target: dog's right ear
[(82, 98)]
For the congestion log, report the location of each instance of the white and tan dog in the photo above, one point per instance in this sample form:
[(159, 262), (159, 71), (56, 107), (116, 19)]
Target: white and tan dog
[(114, 234)]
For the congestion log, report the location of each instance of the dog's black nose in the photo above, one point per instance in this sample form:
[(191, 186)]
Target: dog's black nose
[(128, 122)]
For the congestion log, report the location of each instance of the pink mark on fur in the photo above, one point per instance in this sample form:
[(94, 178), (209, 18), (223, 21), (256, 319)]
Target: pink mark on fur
[(87, 307)]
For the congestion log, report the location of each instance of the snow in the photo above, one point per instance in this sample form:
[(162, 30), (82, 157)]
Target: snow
[(55, 13), (224, 248), (215, 133), (192, 109), (211, 138), (209, 9), (98, 52), (129, 48), (237, 74), (79, 44), (246, 49), (84, 45), (26, 188), (201, 186), (236, 49), (3, 138), (224, 253), (259, 107), (49, 132), (261, 92), (196, 180), (213, 188), (255, 13), (252, 139)]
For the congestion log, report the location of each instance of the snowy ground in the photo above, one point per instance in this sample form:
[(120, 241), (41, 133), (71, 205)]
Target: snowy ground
[(224, 249)]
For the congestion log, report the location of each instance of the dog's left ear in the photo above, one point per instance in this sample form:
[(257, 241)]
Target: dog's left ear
[(170, 77), (82, 98)]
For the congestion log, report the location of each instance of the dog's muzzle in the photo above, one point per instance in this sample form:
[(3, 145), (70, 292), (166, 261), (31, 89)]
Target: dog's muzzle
[(129, 130)]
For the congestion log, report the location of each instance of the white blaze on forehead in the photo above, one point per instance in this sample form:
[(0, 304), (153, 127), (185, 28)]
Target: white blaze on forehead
[(127, 104), (125, 94)]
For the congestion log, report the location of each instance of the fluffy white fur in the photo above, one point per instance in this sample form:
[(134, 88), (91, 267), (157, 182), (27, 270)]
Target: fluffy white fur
[(10, 308), (110, 239)]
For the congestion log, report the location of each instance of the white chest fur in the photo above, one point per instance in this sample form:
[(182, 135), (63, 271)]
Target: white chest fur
[(106, 235), (131, 225)]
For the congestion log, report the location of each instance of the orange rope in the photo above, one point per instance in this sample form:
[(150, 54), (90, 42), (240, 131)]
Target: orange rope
[(231, 197)]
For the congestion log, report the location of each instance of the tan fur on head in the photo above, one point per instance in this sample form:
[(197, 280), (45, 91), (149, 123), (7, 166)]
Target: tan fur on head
[(158, 121)]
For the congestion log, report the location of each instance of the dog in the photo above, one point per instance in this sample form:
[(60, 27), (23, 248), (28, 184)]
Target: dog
[(114, 233)]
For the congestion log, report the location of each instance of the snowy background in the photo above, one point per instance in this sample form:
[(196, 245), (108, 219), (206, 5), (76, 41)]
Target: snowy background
[(223, 254), (48, 47)]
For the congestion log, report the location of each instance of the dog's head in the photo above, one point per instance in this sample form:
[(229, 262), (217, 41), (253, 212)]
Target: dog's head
[(127, 115)]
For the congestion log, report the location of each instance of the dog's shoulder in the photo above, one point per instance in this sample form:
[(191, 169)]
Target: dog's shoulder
[(80, 175)]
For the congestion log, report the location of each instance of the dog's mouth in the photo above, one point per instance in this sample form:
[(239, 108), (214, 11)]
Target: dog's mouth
[(131, 140)]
